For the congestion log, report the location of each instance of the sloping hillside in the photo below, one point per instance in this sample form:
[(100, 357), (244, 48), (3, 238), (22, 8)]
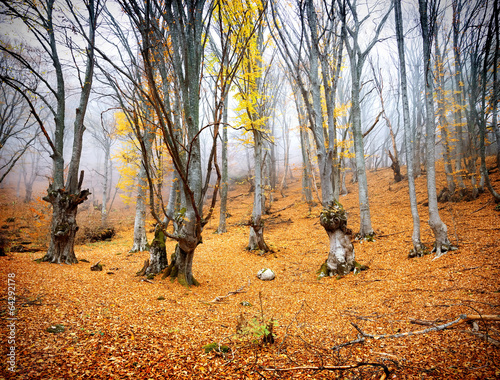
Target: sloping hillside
[(117, 325)]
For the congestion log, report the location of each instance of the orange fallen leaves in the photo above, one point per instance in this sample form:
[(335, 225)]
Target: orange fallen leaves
[(117, 326)]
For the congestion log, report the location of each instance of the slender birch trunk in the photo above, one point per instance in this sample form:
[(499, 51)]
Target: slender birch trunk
[(418, 247), (441, 244)]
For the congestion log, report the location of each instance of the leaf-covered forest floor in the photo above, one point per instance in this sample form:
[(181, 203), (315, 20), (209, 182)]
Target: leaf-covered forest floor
[(118, 326)]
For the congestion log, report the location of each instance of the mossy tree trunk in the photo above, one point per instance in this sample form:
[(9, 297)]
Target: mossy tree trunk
[(341, 256), (63, 227), (157, 253), (181, 267)]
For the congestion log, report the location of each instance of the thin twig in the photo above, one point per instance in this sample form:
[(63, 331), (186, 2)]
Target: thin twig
[(480, 208), (394, 233), (220, 298)]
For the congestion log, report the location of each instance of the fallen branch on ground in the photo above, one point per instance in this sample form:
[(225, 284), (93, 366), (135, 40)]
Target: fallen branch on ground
[(480, 208), (483, 336), (355, 341), (332, 368), (394, 233), (461, 319), (284, 208), (220, 298)]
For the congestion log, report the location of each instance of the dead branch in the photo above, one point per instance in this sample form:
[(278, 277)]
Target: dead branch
[(221, 298), (486, 337), (461, 319), (373, 125), (394, 233), (421, 322), (236, 196), (284, 208), (148, 281), (480, 208), (355, 341), (332, 368)]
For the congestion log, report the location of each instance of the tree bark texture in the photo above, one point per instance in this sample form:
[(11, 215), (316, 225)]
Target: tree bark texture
[(157, 253), (63, 226), (341, 256), (256, 238), (181, 266)]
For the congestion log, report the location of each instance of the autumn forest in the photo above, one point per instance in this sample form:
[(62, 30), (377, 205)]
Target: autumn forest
[(257, 189)]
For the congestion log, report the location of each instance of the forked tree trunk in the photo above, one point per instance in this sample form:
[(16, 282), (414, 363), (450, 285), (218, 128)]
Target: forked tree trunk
[(63, 227), (341, 256), (256, 239), (181, 261)]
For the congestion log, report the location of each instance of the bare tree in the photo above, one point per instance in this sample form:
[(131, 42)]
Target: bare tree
[(357, 58), (17, 130), (418, 247), (427, 10), (104, 134), (41, 20), (487, 63), (172, 38)]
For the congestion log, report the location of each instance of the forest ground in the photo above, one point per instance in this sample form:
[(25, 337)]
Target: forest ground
[(118, 326)]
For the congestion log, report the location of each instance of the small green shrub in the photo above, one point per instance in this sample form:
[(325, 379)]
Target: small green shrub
[(215, 347)]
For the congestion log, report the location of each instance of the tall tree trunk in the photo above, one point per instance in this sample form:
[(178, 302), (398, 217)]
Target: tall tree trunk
[(104, 209), (325, 157), (304, 148), (443, 121), (286, 154), (482, 124), (140, 242), (365, 223), (418, 247), (256, 239), (224, 180), (458, 95), (65, 199), (306, 166), (441, 244), (418, 137), (496, 82), (357, 59)]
